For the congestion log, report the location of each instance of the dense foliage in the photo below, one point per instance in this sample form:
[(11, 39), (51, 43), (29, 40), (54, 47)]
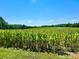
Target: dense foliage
[(5, 25), (68, 25), (55, 40)]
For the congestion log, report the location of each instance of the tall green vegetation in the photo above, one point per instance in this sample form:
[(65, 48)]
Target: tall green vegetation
[(49, 39)]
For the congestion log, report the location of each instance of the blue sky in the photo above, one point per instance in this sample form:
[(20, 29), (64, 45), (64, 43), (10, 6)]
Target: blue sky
[(39, 12)]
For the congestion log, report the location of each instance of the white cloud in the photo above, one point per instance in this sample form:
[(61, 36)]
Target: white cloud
[(29, 21), (74, 20), (23, 21), (51, 20)]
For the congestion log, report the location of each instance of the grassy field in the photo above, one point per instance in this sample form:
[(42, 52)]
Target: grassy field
[(53, 40), (11, 53), (47, 39)]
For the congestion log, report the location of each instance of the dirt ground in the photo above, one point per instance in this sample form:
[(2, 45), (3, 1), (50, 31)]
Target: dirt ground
[(74, 55)]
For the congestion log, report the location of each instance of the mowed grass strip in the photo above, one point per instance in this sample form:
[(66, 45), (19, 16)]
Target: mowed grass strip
[(12, 53)]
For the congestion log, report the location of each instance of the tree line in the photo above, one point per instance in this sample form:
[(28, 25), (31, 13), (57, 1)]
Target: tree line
[(5, 25)]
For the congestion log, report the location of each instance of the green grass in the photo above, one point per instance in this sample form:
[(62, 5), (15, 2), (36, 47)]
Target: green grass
[(41, 39), (47, 39), (11, 53)]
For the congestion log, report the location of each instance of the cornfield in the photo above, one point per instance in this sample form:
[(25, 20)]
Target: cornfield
[(41, 39)]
